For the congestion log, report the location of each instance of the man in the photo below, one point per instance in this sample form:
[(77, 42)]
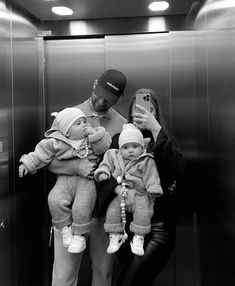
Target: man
[(99, 112)]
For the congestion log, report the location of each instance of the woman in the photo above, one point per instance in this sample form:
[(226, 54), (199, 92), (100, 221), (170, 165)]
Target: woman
[(159, 243)]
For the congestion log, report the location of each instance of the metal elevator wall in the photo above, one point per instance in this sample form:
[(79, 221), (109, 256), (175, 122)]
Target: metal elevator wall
[(192, 72), (73, 65), (145, 60), (22, 202), (5, 196), (71, 68)]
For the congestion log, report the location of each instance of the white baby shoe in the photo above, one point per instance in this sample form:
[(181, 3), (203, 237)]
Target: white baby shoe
[(137, 245), (78, 244), (66, 236), (115, 241)]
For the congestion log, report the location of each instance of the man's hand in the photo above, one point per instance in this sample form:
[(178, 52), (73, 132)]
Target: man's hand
[(79, 167), (87, 168)]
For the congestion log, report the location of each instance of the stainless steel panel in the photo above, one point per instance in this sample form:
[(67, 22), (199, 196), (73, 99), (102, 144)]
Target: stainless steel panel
[(5, 194), (193, 72), (216, 14), (21, 202), (216, 89), (144, 60), (218, 222), (30, 199), (183, 109), (71, 68), (202, 86)]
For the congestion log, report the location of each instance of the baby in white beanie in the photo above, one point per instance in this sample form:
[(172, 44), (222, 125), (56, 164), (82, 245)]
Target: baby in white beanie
[(135, 169), (72, 199)]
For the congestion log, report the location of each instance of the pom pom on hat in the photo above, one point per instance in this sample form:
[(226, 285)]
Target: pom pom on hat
[(66, 118), (130, 134)]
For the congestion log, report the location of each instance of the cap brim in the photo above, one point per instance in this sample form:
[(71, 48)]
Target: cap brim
[(109, 96)]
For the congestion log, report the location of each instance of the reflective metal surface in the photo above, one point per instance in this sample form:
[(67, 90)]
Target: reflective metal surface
[(22, 239), (183, 117), (30, 204), (71, 68), (193, 72), (5, 194), (216, 14), (218, 193), (141, 57)]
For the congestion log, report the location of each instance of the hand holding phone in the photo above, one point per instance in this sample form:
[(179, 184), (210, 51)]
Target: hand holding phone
[(144, 100)]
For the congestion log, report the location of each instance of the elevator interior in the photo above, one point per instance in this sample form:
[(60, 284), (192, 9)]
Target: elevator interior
[(190, 64)]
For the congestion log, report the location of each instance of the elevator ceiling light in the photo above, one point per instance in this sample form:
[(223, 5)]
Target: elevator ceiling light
[(62, 10), (158, 6)]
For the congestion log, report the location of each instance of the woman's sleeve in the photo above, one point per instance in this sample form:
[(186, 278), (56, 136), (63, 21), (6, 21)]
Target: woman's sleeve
[(105, 194), (105, 189), (168, 158)]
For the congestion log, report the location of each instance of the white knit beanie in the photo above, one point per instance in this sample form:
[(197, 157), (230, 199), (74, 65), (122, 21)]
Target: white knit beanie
[(130, 134), (66, 118)]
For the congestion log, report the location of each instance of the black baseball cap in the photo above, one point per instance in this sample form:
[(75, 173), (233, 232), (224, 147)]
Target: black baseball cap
[(111, 85)]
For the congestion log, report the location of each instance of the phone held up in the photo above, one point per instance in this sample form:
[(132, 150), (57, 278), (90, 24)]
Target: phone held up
[(143, 99)]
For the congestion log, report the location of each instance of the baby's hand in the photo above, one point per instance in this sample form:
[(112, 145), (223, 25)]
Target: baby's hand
[(90, 130), (22, 171), (103, 177)]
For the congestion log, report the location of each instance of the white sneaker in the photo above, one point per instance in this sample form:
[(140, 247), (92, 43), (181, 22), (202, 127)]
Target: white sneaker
[(115, 241), (66, 236), (78, 244), (137, 245)]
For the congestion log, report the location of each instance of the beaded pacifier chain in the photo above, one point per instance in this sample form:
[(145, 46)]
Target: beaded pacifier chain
[(86, 151), (123, 210)]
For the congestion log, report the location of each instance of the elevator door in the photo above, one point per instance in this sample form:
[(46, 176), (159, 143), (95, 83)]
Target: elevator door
[(71, 68), (144, 59), (73, 65)]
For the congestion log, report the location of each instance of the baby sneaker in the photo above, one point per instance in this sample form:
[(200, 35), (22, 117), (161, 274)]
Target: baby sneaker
[(66, 236), (115, 241), (137, 245), (78, 244)]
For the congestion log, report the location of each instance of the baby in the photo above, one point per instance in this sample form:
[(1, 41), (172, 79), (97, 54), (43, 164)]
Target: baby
[(131, 166), (72, 199)]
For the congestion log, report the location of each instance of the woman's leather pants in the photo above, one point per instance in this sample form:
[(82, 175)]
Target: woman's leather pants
[(143, 270)]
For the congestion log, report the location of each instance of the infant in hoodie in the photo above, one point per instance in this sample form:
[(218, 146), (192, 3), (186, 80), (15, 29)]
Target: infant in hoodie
[(72, 199), (135, 169)]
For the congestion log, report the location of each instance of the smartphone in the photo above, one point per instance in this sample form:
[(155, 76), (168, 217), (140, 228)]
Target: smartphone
[(143, 99)]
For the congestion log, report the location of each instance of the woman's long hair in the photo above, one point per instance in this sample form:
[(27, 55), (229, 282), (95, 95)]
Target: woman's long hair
[(154, 101)]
